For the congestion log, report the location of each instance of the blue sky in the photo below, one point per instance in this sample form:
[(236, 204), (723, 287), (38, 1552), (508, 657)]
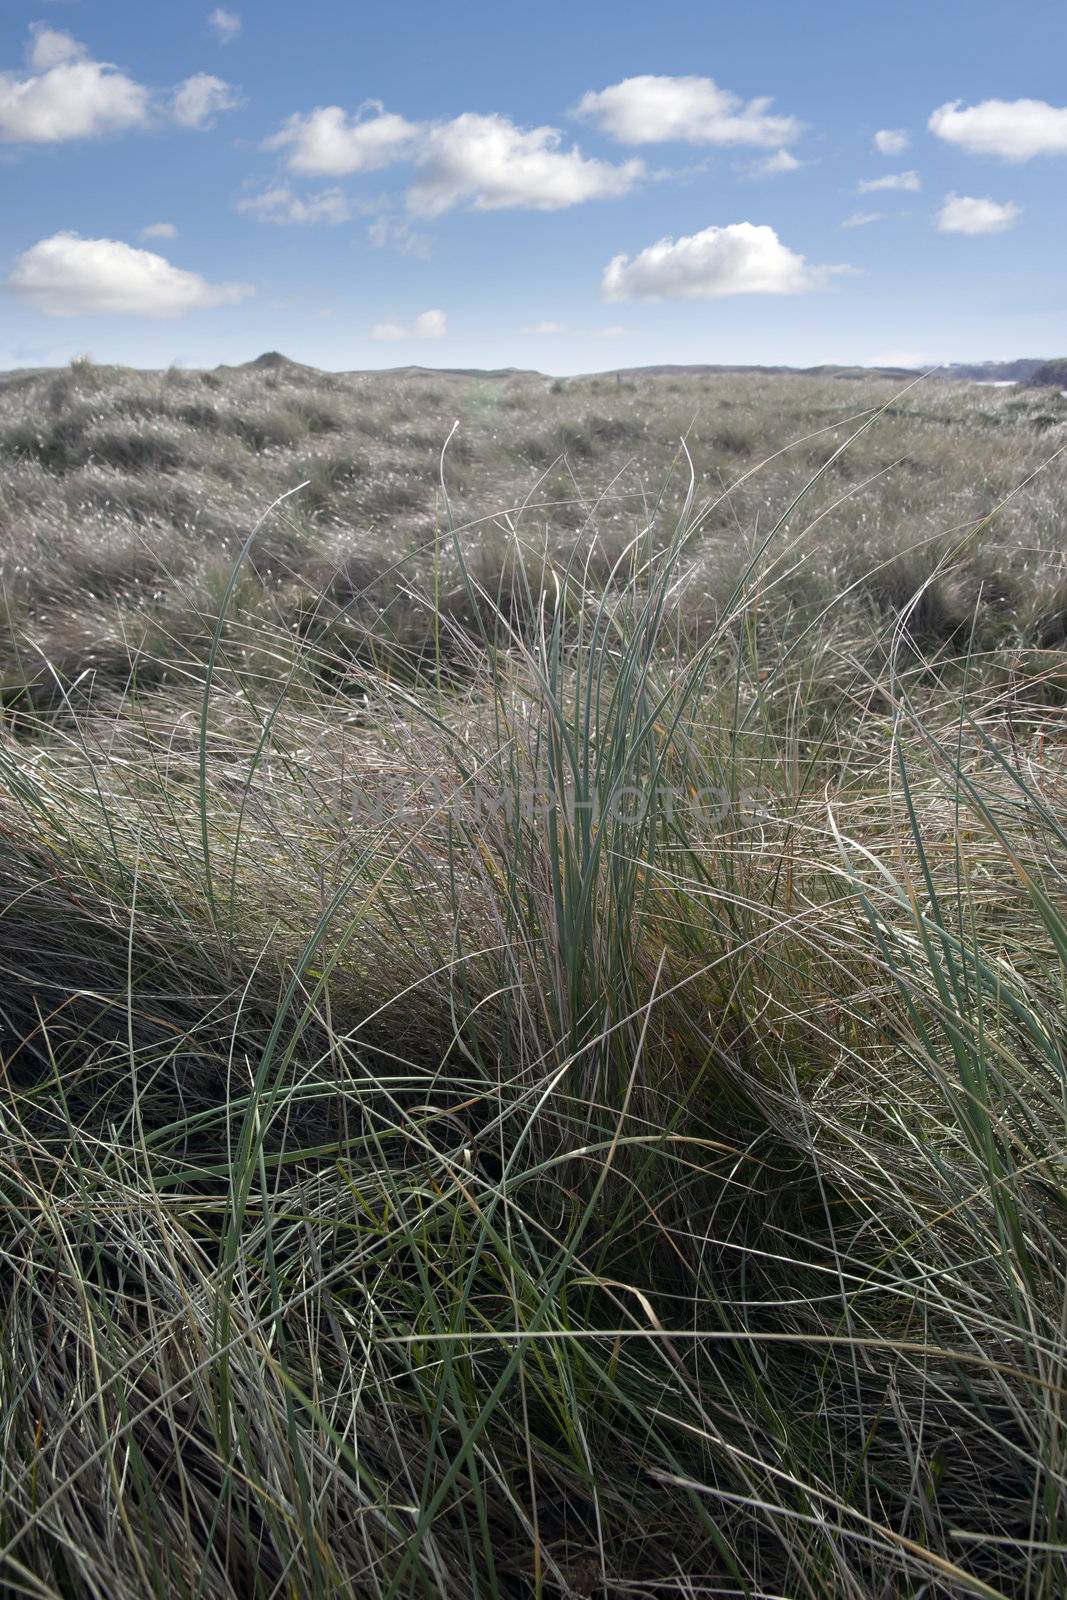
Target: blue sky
[(568, 186)]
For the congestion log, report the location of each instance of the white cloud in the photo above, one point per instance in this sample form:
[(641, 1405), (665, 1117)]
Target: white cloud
[(396, 233), (615, 331), (329, 142), (225, 25), (486, 163), (489, 164), (544, 328), (863, 219), (652, 110), (427, 325), (431, 324), (891, 141), (200, 99), (893, 180), (159, 230), (67, 276), (67, 95), (1015, 130), (50, 47), (964, 213), (281, 205), (742, 258), (772, 166)]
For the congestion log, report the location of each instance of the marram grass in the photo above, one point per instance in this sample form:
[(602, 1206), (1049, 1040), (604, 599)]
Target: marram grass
[(534, 1063)]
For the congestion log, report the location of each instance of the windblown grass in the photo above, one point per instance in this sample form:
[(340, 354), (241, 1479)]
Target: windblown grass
[(534, 1044)]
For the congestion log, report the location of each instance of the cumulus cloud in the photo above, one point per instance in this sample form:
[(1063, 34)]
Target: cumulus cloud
[(281, 205), (489, 164), (66, 95), (964, 213), (772, 166), (863, 219), (200, 99), (893, 180), (159, 230), (396, 233), (652, 110), (891, 141), (67, 276), (486, 163), (328, 142), (1015, 130), (225, 25), (544, 328), (427, 325), (741, 258), (49, 47)]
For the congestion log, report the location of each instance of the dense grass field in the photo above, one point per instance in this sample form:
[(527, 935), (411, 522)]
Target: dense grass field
[(533, 934)]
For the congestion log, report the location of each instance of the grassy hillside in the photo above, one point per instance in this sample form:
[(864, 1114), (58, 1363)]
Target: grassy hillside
[(533, 986)]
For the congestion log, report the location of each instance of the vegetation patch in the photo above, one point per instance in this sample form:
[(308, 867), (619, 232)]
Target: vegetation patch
[(533, 973)]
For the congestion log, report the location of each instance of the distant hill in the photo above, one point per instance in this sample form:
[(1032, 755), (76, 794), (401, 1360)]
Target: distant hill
[(272, 361), (462, 372), (1051, 374), (709, 369), (1024, 370), (1019, 371)]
